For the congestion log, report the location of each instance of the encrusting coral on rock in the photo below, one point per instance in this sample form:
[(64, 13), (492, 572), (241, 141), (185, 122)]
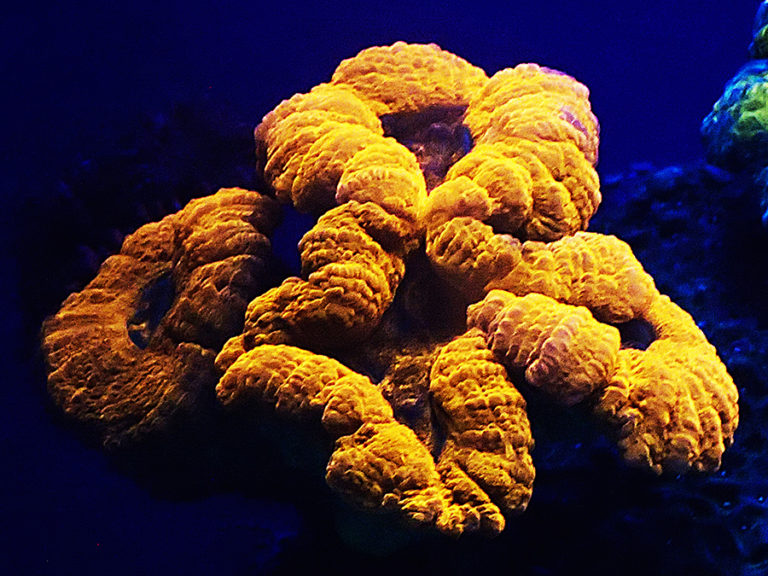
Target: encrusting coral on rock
[(422, 172)]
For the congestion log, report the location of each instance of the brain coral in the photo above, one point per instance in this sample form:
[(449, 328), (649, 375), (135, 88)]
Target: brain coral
[(434, 188)]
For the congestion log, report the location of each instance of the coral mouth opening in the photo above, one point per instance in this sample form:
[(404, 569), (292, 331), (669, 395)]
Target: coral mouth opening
[(435, 135), (637, 334), (155, 301)]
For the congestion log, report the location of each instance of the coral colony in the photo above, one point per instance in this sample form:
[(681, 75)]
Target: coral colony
[(448, 267)]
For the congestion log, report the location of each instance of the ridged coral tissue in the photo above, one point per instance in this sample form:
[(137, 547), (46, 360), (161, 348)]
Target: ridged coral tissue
[(448, 273)]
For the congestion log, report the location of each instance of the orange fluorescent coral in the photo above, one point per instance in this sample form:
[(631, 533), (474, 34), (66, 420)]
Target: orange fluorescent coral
[(592, 270), (536, 145), (488, 437), (673, 405), (534, 103), (435, 187), (377, 462), (129, 370), (586, 269), (562, 348), (409, 78)]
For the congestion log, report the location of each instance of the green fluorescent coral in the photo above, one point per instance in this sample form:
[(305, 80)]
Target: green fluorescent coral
[(736, 131), (759, 46)]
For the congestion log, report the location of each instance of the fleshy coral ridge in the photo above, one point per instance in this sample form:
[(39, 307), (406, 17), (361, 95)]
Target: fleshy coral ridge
[(407, 151)]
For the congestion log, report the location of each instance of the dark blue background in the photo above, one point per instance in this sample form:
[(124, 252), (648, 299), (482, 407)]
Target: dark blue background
[(76, 76)]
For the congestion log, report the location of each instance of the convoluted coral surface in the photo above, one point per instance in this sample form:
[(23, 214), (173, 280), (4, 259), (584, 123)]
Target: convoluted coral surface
[(134, 350), (434, 188)]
